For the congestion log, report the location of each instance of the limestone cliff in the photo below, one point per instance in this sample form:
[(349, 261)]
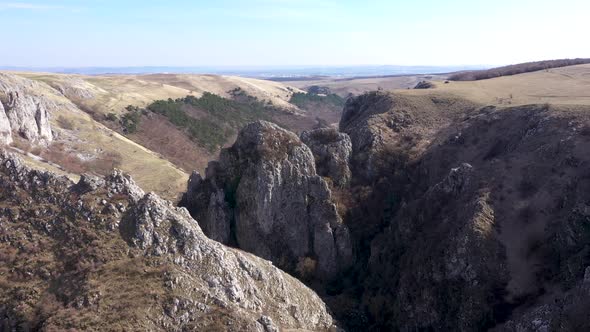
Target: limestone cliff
[(331, 150), (265, 197), (27, 114)]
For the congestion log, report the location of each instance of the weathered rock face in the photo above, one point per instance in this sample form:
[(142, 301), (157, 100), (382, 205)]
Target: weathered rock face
[(122, 259), (5, 131), (455, 264), (265, 197), (28, 117), (331, 151), (27, 111), (386, 129), (568, 312), (495, 210)]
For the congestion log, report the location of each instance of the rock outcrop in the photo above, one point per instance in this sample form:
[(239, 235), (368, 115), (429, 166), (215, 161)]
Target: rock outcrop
[(28, 117), (119, 259), (331, 151), (265, 197), (27, 114), (488, 224), (5, 130)]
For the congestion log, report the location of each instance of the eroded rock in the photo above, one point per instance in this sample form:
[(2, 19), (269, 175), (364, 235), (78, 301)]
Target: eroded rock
[(27, 110), (28, 117), (5, 130), (331, 151), (265, 197), (157, 256)]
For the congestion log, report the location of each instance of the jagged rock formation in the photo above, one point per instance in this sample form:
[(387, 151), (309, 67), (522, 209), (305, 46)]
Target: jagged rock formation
[(331, 151), (102, 255), (489, 215), (27, 114), (568, 312), (264, 196), (5, 130), (383, 127), (28, 117)]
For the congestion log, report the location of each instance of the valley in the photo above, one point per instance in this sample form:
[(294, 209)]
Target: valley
[(326, 204)]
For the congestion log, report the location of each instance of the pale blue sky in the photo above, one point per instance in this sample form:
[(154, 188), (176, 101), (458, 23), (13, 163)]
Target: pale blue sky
[(290, 32)]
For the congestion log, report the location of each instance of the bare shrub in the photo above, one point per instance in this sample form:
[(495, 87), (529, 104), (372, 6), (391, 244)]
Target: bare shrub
[(56, 154), (65, 123), (105, 163), (306, 267)]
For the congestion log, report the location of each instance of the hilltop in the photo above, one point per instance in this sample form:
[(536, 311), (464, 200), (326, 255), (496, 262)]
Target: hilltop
[(520, 68), (91, 117)]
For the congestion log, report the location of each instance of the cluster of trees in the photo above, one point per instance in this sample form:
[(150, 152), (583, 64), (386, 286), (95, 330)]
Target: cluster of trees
[(130, 120), (209, 120), (203, 131), (515, 69)]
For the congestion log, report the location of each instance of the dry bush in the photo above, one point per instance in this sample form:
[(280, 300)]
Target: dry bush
[(56, 154), (105, 163), (65, 123), (22, 144), (306, 267)]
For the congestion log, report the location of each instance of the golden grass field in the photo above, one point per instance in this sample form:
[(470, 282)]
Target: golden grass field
[(78, 96), (565, 86)]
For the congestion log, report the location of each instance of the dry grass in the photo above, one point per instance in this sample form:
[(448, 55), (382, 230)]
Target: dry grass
[(358, 86), (88, 137), (566, 85)]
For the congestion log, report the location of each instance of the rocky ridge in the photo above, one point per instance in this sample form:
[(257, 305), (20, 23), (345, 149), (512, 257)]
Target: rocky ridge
[(123, 259), (483, 213), (331, 150), (264, 196)]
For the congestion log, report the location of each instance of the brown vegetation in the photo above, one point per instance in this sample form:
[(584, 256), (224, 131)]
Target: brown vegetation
[(515, 69)]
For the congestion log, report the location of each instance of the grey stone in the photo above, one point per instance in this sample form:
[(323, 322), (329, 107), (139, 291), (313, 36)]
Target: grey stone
[(265, 197), (331, 151), (5, 130)]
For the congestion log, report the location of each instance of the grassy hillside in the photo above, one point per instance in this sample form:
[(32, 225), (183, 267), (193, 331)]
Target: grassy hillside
[(515, 69), (82, 143), (190, 131), (358, 86), (566, 85), (157, 148)]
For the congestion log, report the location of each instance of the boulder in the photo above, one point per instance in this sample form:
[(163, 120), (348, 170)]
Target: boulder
[(264, 196)]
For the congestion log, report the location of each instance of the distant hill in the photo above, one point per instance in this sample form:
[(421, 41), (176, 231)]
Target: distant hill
[(520, 68), (267, 72)]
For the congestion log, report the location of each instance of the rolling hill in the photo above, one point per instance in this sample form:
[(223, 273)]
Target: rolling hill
[(88, 116)]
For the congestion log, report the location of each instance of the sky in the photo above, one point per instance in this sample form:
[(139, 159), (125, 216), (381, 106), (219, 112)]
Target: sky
[(82, 33)]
